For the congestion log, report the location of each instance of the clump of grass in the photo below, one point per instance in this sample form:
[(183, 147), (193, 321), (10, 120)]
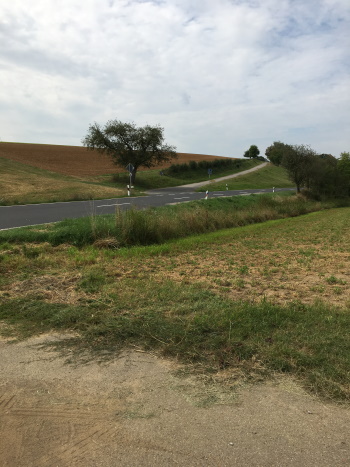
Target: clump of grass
[(93, 281), (334, 280)]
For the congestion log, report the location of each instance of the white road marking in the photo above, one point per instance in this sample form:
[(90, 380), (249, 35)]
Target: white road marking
[(173, 204), (107, 205), (184, 197)]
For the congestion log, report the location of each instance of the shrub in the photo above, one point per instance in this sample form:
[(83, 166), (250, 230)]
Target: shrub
[(193, 165)]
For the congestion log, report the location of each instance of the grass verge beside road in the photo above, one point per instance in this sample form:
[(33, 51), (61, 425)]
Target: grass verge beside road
[(242, 303), (158, 225)]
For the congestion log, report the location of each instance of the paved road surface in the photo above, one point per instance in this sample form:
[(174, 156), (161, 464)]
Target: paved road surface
[(35, 214)]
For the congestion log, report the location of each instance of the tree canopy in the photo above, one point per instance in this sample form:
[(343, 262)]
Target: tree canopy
[(252, 152), (297, 160), (276, 151), (321, 174), (128, 144), (344, 163)]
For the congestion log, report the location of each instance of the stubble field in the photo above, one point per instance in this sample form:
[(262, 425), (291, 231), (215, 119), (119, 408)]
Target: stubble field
[(40, 173), (76, 161)]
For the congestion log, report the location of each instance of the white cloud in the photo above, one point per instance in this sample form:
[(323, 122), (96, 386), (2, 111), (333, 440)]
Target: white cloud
[(218, 76)]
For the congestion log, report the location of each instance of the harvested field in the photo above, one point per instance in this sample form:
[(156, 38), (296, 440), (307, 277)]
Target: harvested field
[(73, 160)]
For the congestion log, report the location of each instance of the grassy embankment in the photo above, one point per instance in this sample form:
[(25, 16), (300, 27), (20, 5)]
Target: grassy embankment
[(151, 179), (267, 177), (246, 303), (24, 184)]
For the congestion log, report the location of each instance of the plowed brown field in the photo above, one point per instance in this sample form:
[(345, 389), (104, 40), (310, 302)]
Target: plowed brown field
[(73, 160)]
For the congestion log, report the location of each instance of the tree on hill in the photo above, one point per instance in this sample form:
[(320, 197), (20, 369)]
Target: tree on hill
[(276, 151), (128, 144), (298, 161), (252, 152)]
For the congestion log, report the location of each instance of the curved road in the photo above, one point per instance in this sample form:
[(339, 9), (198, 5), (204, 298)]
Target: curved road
[(35, 214)]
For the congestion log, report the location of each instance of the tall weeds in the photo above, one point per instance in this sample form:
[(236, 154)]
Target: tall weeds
[(155, 226)]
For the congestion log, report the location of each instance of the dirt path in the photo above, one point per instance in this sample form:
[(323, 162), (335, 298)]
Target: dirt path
[(134, 411)]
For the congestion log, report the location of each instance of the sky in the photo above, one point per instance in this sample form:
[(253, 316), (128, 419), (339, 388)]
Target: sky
[(217, 75)]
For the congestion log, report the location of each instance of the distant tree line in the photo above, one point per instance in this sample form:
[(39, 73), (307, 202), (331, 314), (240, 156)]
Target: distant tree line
[(203, 165), (320, 175)]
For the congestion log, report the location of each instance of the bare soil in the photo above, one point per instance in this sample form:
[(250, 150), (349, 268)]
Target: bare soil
[(135, 410), (74, 160)]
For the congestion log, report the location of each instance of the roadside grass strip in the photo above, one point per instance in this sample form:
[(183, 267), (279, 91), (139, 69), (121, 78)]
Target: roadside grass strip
[(242, 304), (158, 225)]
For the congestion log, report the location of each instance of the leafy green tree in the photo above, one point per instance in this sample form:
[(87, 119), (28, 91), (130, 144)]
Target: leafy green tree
[(127, 144), (344, 163), (298, 163), (324, 179), (276, 151), (343, 166), (252, 152)]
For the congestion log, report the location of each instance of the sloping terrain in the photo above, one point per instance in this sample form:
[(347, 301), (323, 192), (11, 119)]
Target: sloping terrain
[(73, 160), (38, 173), (25, 184)]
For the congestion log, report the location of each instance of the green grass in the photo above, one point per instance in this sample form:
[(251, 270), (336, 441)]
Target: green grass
[(156, 226), (151, 179), (267, 177), (150, 297), (201, 327)]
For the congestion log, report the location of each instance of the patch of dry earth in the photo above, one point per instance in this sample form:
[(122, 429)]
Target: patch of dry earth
[(134, 411)]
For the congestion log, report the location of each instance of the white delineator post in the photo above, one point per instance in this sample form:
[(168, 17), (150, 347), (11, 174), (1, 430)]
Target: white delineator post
[(206, 194), (130, 169), (273, 189)]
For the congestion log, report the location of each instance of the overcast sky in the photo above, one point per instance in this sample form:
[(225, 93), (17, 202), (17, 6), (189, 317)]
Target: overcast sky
[(218, 75)]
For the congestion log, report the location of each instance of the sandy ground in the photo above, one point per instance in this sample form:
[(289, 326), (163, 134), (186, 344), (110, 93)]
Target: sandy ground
[(135, 410)]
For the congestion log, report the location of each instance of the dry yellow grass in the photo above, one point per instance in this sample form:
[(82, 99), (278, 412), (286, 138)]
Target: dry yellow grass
[(303, 263), (38, 186)]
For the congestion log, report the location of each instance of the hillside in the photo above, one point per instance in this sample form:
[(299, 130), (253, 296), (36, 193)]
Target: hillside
[(76, 161)]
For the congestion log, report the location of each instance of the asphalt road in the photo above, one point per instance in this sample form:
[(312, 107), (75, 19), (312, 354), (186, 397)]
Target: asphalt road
[(34, 214)]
